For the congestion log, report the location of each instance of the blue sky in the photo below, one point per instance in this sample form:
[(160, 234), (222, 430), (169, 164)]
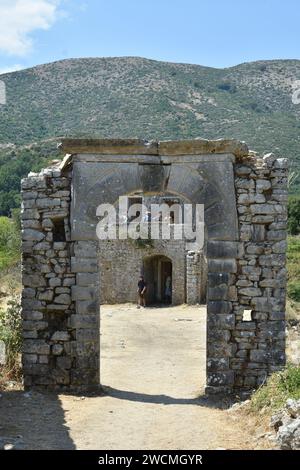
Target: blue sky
[(217, 33)]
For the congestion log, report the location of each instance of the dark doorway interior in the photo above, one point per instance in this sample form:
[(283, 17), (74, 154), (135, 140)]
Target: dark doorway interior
[(158, 275)]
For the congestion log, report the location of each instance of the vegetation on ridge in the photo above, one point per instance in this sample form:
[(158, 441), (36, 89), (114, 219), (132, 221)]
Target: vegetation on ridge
[(135, 97)]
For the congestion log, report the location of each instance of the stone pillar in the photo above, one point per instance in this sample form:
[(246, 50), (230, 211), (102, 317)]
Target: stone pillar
[(85, 320), (221, 293), (193, 278)]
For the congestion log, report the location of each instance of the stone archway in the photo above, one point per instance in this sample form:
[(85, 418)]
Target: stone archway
[(61, 278)]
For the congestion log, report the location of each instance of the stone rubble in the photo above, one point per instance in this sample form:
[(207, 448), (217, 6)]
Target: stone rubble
[(286, 424)]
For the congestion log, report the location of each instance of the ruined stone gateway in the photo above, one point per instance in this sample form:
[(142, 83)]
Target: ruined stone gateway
[(240, 273)]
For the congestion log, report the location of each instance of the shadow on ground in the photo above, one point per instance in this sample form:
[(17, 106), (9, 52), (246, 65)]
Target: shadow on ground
[(31, 420), (211, 401)]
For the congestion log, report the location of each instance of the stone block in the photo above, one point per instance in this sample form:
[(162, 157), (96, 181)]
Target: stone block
[(46, 295), (85, 348), (222, 266), (57, 349), (258, 355), (29, 234), (263, 219), (83, 293), (222, 249), (220, 378), (217, 363), (69, 281), (218, 292), (219, 320), (31, 304), (35, 369), (244, 183), (55, 282), (84, 265), (47, 224), (60, 376), (218, 307), (242, 170), (37, 346), (216, 279), (87, 279), (62, 290), (46, 203), (86, 306), (32, 315), (272, 260), (42, 246), (34, 325), (87, 334), (262, 304), (60, 336), (64, 362), (30, 214), (59, 245), (250, 291), (87, 362), (84, 321), (220, 336), (29, 358), (276, 235), (262, 209), (43, 359), (64, 299), (33, 280), (29, 334), (57, 307), (254, 249), (85, 377), (86, 249)]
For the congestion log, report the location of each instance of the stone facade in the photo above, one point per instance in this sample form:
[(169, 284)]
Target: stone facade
[(245, 215), (121, 264)]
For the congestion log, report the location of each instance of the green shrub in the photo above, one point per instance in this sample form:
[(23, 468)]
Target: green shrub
[(10, 330), (10, 241), (293, 290), (9, 234), (294, 215), (279, 387)]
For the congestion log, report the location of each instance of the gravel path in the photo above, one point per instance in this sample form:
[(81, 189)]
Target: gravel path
[(153, 375)]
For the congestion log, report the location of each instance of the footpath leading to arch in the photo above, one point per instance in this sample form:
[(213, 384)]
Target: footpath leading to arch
[(153, 368)]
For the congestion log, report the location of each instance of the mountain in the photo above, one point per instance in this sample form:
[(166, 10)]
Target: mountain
[(136, 97)]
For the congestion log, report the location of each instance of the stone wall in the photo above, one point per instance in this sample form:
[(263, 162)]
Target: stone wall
[(121, 264), (250, 276), (47, 306), (245, 258), (61, 284), (261, 188)]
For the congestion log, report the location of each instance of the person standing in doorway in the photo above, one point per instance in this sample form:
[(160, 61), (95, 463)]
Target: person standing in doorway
[(142, 288), (168, 290)]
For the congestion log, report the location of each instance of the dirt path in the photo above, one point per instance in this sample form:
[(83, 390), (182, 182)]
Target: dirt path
[(153, 373)]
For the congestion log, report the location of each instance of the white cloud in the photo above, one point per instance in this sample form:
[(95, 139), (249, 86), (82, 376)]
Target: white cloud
[(11, 68), (19, 18)]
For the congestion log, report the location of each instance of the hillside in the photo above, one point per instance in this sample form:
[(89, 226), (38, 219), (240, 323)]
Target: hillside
[(135, 97)]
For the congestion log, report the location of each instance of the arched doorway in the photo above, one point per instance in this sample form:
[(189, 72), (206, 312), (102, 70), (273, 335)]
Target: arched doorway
[(157, 271)]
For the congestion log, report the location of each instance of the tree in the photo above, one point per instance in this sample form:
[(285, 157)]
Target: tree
[(294, 215)]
